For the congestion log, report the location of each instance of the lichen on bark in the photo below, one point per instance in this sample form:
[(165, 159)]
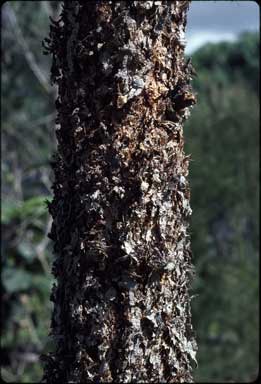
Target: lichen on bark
[(121, 196)]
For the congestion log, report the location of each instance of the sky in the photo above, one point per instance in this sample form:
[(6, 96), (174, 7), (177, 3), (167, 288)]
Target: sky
[(214, 21)]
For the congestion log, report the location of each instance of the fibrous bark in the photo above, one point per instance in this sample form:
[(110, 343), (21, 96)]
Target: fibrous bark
[(121, 196)]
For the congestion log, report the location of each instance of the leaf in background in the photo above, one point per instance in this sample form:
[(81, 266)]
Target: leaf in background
[(26, 250), (35, 206), (8, 212), (42, 283), (16, 280)]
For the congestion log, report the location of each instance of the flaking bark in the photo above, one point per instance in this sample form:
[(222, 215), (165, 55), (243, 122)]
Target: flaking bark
[(121, 196)]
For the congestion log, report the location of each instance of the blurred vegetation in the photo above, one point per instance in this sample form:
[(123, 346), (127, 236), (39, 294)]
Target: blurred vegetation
[(27, 142), (222, 135)]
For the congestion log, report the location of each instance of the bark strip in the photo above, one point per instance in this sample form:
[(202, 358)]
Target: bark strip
[(121, 196)]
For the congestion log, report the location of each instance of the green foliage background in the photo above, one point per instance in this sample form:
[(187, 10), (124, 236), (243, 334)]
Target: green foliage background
[(222, 135)]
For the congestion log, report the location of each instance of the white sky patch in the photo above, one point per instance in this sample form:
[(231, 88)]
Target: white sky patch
[(196, 40), (215, 21)]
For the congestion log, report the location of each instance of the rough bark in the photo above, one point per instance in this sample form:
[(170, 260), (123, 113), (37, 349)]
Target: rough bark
[(121, 196)]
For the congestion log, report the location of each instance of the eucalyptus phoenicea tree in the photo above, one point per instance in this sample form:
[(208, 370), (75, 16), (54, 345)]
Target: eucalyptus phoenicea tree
[(121, 196)]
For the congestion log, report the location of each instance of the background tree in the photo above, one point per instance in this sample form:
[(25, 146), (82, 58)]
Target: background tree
[(224, 140), (121, 198)]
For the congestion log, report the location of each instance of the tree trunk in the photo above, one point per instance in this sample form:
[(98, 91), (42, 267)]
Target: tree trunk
[(121, 197)]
